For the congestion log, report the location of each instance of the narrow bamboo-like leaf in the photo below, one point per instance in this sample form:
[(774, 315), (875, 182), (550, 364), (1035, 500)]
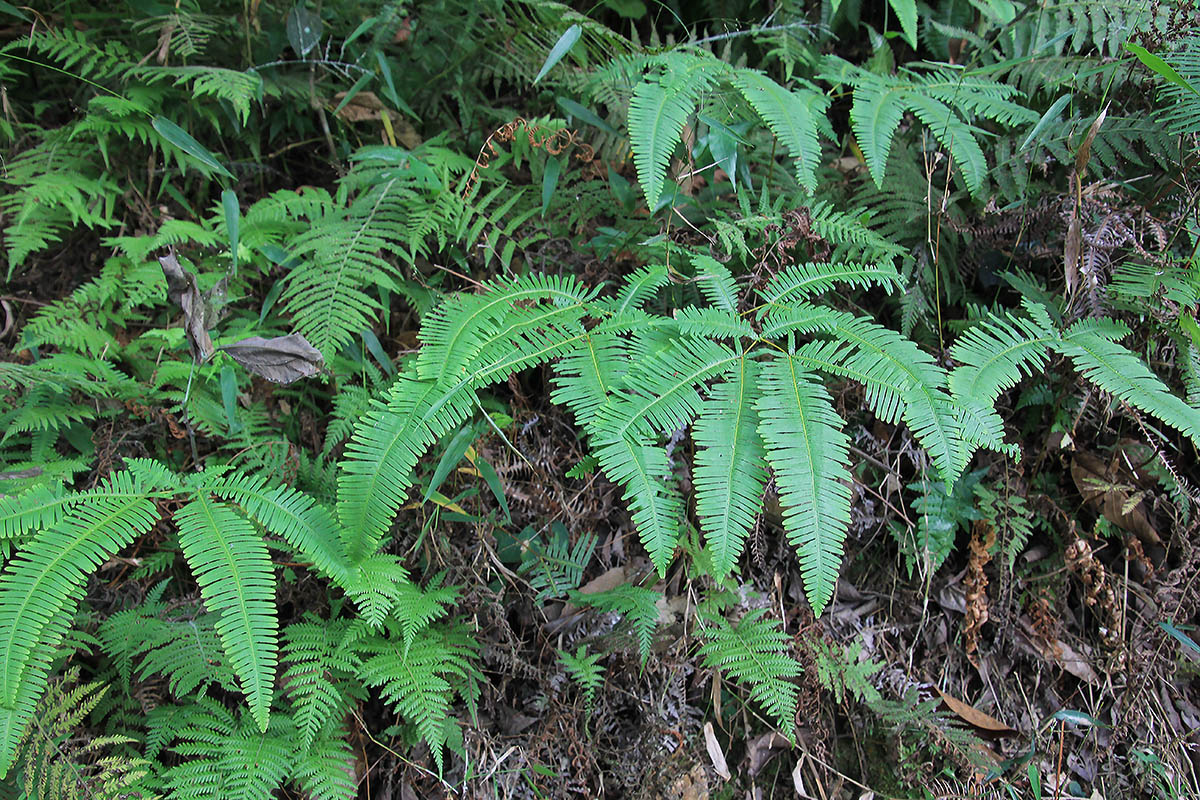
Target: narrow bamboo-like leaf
[(454, 453), (584, 114), (561, 48), (184, 141), (906, 11), (1158, 65), (1182, 637), (229, 399), (550, 182), (233, 215), (1047, 118)]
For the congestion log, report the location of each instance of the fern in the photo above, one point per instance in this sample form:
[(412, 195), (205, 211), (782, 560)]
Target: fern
[(657, 112), (54, 762), (795, 117), (186, 650), (231, 564), (634, 377), (754, 652), (584, 668), (422, 680), (637, 604), (944, 101)]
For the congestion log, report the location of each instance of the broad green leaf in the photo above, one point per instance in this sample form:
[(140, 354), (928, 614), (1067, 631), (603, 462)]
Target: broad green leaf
[(561, 48), (184, 141)]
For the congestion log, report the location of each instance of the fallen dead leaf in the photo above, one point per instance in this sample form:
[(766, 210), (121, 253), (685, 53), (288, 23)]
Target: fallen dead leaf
[(976, 718), (764, 748), (201, 311), (282, 359), (714, 751)]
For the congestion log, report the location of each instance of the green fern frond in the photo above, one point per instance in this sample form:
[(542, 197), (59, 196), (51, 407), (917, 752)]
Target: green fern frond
[(316, 664), (376, 472), (584, 668), (232, 566), (49, 573), (460, 329), (294, 517), (1089, 344), (794, 116), (800, 281), (657, 112), (228, 756), (421, 682), (754, 653), (808, 452), (186, 650), (638, 287), (637, 604), (730, 472), (716, 283), (944, 99), (40, 507)]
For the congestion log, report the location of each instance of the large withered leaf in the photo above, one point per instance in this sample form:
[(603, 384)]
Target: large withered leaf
[(282, 359), (201, 311)]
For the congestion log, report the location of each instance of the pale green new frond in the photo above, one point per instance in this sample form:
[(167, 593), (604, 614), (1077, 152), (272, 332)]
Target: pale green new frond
[(230, 562), (730, 471), (794, 116), (376, 585), (584, 668), (807, 451), (416, 608), (755, 653), (800, 281), (1118, 371), (50, 571)]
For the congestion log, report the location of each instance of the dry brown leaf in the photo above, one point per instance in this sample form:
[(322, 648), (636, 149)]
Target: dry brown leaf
[(282, 359), (714, 751), (1109, 490), (974, 717), (763, 748), (201, 311)]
